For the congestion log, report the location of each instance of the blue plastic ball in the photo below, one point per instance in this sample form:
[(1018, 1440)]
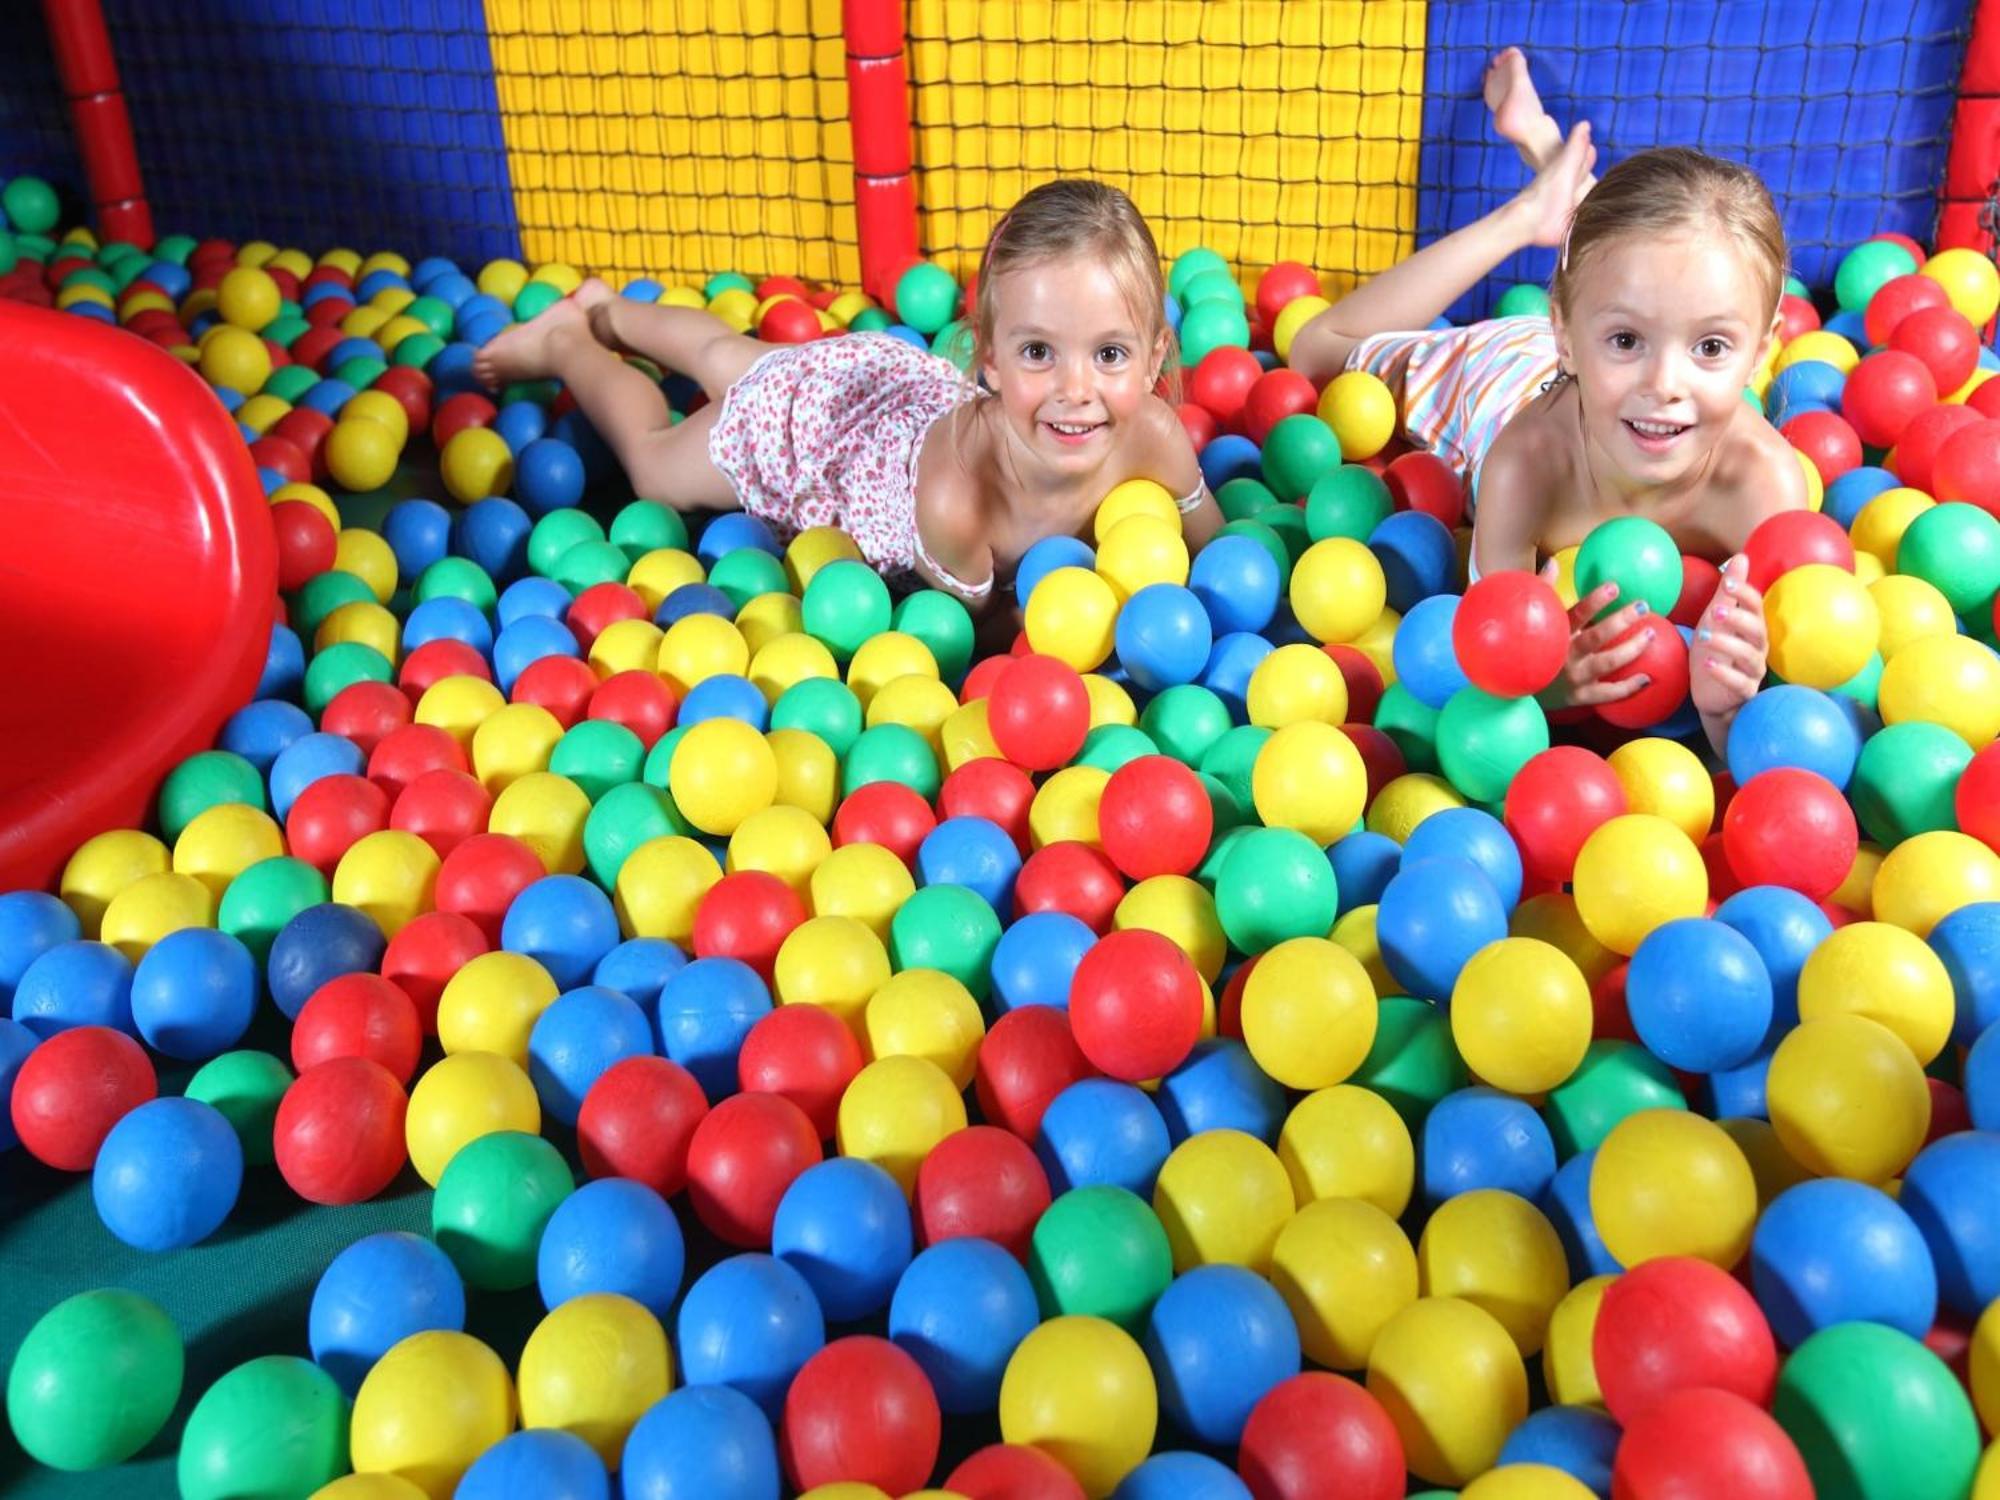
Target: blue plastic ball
[(328, 396), (1417, 555), (376, 1293), (307, 759), (732, 529), (1181, 1476), (1739, 1092), (563, 922), (1426, 662), (450, 368), (976, 853), (960, 1311), (1229, 456), (749, 1321), (519, 424), (1952, 1194), (321, 943), (1220, 1087), (260, 731), (447, 618), (1433, 916), (1232, 660), (194, 993), (533, 595), (167, 1175), (694, 599), (453, 288), (706, 1010), (546, 1462), (380, 280), (1789, 725), (1045, 556), (284, 664), (844, 1225), (1478, 1137), (1566, 1204), (16, 1042), (612, 1235), (1236, 580), (1834, 1251), (1699, 995), (1784, 927), (77, 983), (1036, 959), (703, 1442), (583, 1033), (1218, 1338), (1850, 493), (1968, 940), (548, 475), (1478, 837), (525, 642), (638, 969), (1363, 865), (494, 533), (1100, 1133), (1163, 636), (726, 695), (1579, 1440)]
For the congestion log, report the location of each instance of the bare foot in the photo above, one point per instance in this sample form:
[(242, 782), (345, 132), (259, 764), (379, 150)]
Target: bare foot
[(1518, 115), (1551, 199), (591, 291), (521, 353)]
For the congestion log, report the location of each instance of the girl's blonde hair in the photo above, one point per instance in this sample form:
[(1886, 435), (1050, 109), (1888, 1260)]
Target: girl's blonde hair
[(1073, 216), (1672, 188)]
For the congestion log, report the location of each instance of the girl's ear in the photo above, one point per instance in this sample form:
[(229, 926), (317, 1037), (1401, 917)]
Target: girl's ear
[(1556, 326), (1162, 342)]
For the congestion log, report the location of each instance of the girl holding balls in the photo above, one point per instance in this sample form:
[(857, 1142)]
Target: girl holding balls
[(930, 473), (1627, 399)]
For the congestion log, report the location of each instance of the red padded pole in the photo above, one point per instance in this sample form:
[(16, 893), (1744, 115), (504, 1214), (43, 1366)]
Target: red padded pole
[(89, 73), (1972, 170), (878, 105)]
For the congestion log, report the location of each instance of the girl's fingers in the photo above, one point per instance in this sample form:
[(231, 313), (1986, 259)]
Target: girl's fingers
[(1591, 694), (1601, 664), (1585, 609), (1597, 637)]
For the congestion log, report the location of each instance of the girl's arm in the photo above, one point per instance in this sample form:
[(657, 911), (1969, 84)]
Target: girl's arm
[(1169, 459)]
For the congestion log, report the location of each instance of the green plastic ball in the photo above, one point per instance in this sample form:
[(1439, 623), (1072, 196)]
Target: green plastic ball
[(534, 392), (535, 297), (95, 1379), (941, 623), (648, 526), (289, 382), (1210, 325), (10, 253), (1636, 554), (869, 320), (1865, 686), (747, 572), (1483, 741), (285, 331), (1412, 724), (1615, 1079), (1221, 846), (274, 1426), (1227, 810), (954, 342), (726, 281), (206, 779), (35, 247), (891, 752), (322, 594), (624, 818), (659, 764), (823, 707), (417, 351), (261, 900), (362, 371), (1232, 759), (950, 928), (1905, 781), (30, 204), (1414, 1062), (926, 297), (1184, 721), (1259, 529), (1212, 285), (1110, 746), (459, 578), (1289, 522), (1190, 264), (1299, 452), (844, 605), (1276, 884), (1955, 547), (434, 313), (1243, 497), (1796, 288), (245, 1088), (1100, 1252), (598, 755), (1877, 1416), (589, 563), (1866, 268), (492, 1203), (175, 247), (1349, 501), (340, 666), (1522, 300), (553, 535)]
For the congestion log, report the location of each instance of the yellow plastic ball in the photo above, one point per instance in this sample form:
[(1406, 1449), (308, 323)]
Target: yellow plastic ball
[(223, 841), (1818, 344), (1666, 1182), (782, 840), (722, 771), (1499, 1252), (917, 701), (1451, 1379), (1880, 525), (1848, 1099), (458, 706), (1568, 1365), (398, 328), (1984, 1362), (808, 773), (1405, 802), (1140, 550), (1355, 931), (929, 1014), (103, 866), (364, 623), (361, 454), (1635, 873), (365, 321), (1969, 280), (428, 1408), (660, 887), (625, 646), (152, 906), (1081, 1391), (492, 1004), (389, 874), (1856, 891), (834, 962), (1551, 917), (1135, 497), (1309, 776), (788, 659), (1815, 485), (502, 279), (1296, 684), (592, 1367), (1823, 625), (1338, 589), (885, 657), (1109, 703), (1885, 973), (966, 735), (1361, 411), (1291, 318), (1072, 615), (363, 553), (660, 572), (1868, 568), (1668, 780), (379, 406), (1222, 1197), (260, 412), (1065, 807), (847, 1489), (1925, 879), (1527, 1482), (1565, 584), (1910, 609), (1949, 680), (1182, 911), (248, 297), (765, 617), (310, 494), (698, 647), (1521, 1015), (460, 1098), (1344, 1268), (894, 1112), (476, 462), (1770, 1163), (234, 359), (1348, 1142), (368, 1487), (736, 307), (384, 260), (547, 813), (1309, 1013), (341, 258), (864, 882)]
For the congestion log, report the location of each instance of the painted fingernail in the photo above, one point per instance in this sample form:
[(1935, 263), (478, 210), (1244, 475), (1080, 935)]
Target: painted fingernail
[(1642, 607), (1645, 681), (1703, 634), (1729, 583), (1721, 614), (1714, 661)]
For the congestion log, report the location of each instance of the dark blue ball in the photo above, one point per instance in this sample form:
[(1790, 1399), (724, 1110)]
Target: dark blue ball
[(1784, 927), (732, 529), (548, 476), (519, 424), (1236, 580), (532, 595), (726, 695), (1220, 1087), (1045, 556), (1566, 1203), (284, 664), (16, 1042), (494, 533), (321, 943), (1579, 1440), (1418, 557), (694, 599)]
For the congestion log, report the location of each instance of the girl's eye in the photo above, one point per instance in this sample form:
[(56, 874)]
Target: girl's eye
[(1624, 342), (1034, 352), (1111, 355), (1712, 348)]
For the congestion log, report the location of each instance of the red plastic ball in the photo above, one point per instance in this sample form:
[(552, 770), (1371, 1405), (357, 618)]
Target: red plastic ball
[(1793, 828), (1363, 679), (443, 808), (1977, 798), (359, 1015), (561, 684), (861, 1409), (805, 1053), (330, 816), (788, 321), (73, 1088), (1917, 252), (1316, 1435), (1275, 395), (1511, 634), (1008, 1471), (638, 700), (1424, 482), (482, 876), (1895, 300), (985, 672), (307, 429), (1950, 1113), (1791, 539), (1944, 339), (1664, 663), (886, 813), (1701, 1444), (306, 543), (1611, 1015), (782, 286), (1200, 427), (1222, 380), (985, 1183), (742, 1157), (411, 389), (338, 1137), (1070, 877), (422, 957), (638, 1121), (1916, 453), (1154, 818), (1555, 802), (1827, 440), (602, 605), (1675, 1324), (990, 788), (1382, 759), (1885, 393), (434, 661), (747, 916), (456, 413), (1038, 712), (1135, 1005), (1984, 401), (1968, 466), (1029, 1056), (1283, 283), (1796, 316), (404, 754), (1700, 578), (366, 713), (283, 456)]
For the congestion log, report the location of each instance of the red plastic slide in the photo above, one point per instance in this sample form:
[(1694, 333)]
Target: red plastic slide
[(138, 580)]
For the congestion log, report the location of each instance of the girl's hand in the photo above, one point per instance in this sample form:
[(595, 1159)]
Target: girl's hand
[(1596, 651), (1730, 644)]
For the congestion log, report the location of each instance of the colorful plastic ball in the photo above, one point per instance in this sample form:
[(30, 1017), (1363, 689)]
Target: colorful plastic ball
[(71, 1091), (1875, 1413), (1968, 942), (1674, 1324), (320, 943), (1097, 1132), (340, 1131), (94, 1380), (1309, 776), (592, 1367), (1452, 1384), (1034, 963), (1568, 1440), (374, 1294), (1635, 873), (960, 1310), (1081, 1388), (1889, 975), (461, 1098), (1884, 392), (1222, 1197), (1163, 636), (1433, 916), (1666, 1182), (860, 1410), (1511, 634), (1847, 1098), (805, 1054), (577, 1039), (1699, 995), (1220, 1086), (76, 983), (1135, 1005), (194, 993), (705, 1010), (493, 1201), (750, 1321), (1072, 615), (1927, 877), (846, 1227), (1521, 1014), (981, 1182), (705, 1440), (1708, 1442), (429, 1408), (1316, 1434), (1219, 1338), (1308, 1013), (1639, 556), (1949, 1192), (31, 923), (1496, 1250), (167, 1174), (742, 1157), (1154, 818), (1274, 884), (543, 1461), (1830, 1252)]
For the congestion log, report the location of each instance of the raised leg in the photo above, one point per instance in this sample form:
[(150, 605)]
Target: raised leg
[(685, 340), (1518, 115)]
